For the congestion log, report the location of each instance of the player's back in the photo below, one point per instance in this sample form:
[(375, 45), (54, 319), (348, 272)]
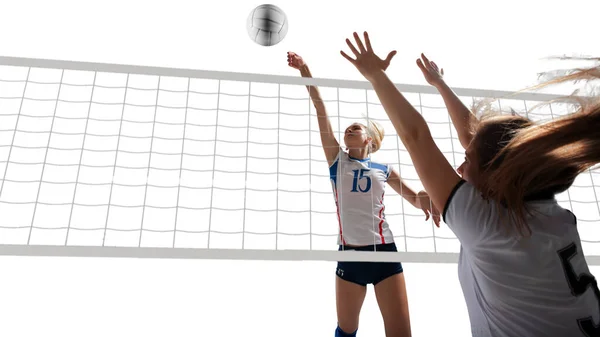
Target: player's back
[(534, 286), (514, 286)]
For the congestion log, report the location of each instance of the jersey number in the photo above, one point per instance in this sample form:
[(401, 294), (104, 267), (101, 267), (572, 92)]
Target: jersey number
[(579, 284), (358, 176)]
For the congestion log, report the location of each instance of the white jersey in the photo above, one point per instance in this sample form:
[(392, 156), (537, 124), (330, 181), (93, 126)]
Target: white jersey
[(359, 188), (538, 286)]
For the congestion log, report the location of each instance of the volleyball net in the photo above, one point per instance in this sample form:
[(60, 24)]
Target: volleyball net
[(128, 161)]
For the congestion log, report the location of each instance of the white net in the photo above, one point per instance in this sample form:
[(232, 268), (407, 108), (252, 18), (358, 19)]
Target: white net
[(128, 161)]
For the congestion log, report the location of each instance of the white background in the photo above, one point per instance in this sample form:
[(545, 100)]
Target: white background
[(487, 44)]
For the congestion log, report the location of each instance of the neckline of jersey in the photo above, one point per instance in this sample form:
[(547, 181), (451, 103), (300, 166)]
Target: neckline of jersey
[(358, 159)]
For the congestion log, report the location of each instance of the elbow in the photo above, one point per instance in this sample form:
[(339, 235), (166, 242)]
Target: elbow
[(465, 137), (415, 137)]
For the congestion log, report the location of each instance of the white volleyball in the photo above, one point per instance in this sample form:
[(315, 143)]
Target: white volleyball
[(267, 25)]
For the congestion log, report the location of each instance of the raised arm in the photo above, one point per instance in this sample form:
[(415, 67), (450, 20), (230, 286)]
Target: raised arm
[(436, 174), (328, 140), (462, 118)]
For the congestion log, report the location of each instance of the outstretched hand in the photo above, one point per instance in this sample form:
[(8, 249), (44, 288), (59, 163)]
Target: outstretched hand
[(433, 75), (294, 60), (367, 62), (428, 208)]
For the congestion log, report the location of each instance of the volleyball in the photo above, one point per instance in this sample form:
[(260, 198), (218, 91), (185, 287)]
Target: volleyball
[(267, 25)]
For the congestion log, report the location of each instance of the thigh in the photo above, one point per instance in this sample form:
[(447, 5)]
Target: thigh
[(393, 304), (349, 298)]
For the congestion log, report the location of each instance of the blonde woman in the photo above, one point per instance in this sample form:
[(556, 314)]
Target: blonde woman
[(359, 187)]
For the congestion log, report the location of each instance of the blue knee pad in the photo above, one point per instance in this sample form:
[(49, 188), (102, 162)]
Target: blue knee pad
[(340, 333)]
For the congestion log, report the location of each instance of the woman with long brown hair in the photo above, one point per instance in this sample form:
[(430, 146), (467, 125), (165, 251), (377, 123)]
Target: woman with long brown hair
[(521, 265)]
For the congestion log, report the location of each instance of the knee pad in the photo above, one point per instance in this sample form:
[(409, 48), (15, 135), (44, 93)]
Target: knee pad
[(340, 333)]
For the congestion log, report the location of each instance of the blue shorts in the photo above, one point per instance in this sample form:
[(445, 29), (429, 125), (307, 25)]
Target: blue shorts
[(363, 273)]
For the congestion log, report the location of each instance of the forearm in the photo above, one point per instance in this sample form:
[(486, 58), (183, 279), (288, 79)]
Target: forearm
[(410, 195), (315, 95), (407, 121), (462, 118), (325, 128)]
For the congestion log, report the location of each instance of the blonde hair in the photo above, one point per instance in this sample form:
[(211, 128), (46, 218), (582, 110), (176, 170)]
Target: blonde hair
[(376, 132)]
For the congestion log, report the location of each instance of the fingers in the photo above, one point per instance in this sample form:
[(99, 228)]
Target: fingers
[(356, 53), (292, 59), (421, 66), (424, 64), (391, 55), (347, 57), (425, 60), (368, 42), (437, 68), (436, 216), (386, 63), (428, 63), (359, 43)]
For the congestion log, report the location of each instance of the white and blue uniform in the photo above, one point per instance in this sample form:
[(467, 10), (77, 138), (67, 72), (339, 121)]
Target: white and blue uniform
[(537, 286), (359, 188)]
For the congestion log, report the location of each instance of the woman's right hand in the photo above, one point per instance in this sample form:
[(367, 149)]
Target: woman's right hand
[(295, 61), (433, 75), (367, 62)]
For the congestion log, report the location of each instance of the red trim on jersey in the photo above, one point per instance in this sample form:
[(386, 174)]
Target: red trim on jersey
[(337, 210), (381, 221)]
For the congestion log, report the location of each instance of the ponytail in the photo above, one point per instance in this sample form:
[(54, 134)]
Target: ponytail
[(376, 132)]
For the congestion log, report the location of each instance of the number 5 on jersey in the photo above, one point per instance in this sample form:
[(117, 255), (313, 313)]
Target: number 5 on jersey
[(579, 284), (359, 175)]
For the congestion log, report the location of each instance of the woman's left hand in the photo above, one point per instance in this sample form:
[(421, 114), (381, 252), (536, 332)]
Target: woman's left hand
[(428, 208)]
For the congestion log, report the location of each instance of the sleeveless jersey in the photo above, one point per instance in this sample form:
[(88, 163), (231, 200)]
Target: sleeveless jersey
[(359, 188), (532, 286)]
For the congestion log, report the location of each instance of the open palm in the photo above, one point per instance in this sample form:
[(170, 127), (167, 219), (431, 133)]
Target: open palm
[(433, 75), (367, 62)]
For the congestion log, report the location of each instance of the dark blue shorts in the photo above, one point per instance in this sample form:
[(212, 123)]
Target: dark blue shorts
[(364, 273)]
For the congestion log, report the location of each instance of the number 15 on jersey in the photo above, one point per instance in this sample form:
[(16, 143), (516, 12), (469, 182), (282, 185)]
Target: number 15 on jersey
[(359, 179)]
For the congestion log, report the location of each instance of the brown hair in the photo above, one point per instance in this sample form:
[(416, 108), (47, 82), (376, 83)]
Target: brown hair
[(521, 160)]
